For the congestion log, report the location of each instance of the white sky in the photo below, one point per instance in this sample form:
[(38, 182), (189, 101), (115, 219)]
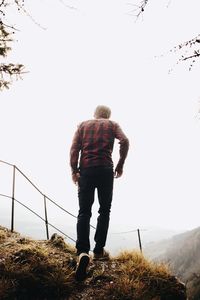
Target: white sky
[(98, 54)]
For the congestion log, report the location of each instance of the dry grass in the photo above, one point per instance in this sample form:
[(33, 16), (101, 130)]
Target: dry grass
[(34, 269), (45, 270), (142, 278)]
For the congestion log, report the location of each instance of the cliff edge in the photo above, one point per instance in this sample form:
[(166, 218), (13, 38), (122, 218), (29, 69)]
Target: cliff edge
[(39, 270)]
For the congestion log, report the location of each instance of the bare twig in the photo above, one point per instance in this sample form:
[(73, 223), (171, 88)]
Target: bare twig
[(188, 51), (196, 54), (9, 26), (138, 9), (186, 47), (21, 7), (2, 3), (68, 6)]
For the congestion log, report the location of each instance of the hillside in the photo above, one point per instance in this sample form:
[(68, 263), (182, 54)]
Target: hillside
[(42, 270), (183, 255)]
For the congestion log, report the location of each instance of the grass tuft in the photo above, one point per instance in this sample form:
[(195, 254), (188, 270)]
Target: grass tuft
[(140, 279)]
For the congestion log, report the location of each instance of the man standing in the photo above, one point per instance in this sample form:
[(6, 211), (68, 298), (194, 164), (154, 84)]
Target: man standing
[(92, 168)]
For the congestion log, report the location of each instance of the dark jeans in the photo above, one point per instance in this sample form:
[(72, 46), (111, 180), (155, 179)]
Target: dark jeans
[(91, 178)]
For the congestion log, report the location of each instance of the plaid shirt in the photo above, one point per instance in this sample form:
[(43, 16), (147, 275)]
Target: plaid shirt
[(93, 141)]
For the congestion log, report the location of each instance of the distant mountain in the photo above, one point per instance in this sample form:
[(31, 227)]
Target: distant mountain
[(182, 253)]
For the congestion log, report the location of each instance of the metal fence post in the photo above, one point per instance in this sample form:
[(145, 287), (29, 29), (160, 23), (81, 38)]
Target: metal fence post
[(139, 238), (46, 219), (13, 200)]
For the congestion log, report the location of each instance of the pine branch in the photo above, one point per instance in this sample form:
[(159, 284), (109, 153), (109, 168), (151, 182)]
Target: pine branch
[(10, 71)]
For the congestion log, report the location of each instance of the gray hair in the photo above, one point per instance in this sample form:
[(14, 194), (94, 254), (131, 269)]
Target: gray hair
[(102, 111)]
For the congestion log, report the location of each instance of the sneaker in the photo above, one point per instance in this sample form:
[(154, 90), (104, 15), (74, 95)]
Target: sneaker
[(81, 270), (103, 255)]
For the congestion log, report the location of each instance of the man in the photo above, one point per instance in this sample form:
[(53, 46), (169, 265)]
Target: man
[(93, 142)]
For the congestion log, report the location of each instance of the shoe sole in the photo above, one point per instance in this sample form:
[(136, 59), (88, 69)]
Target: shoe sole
[(81, 271)]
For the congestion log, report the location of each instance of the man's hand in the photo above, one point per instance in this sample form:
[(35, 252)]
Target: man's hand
[(75, 177), (118, 173)]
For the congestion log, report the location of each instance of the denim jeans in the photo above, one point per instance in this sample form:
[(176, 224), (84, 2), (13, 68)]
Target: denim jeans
[(100, 178)]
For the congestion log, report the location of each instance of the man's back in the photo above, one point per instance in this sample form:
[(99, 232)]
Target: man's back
[(95, 139)]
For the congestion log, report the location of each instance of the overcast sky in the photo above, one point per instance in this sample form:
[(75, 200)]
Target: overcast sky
[(95, 53)]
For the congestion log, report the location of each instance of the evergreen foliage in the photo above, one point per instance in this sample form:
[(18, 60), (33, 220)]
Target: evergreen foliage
[(8, 71)]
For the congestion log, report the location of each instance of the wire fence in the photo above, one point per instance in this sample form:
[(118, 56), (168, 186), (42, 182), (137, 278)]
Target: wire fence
[(46, 199)]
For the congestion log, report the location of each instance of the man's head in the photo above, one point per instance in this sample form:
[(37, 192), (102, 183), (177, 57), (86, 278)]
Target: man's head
[(102, 111)]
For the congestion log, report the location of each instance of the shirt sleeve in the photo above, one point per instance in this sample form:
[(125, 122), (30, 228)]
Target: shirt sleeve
[(74, 151), (124, 146)]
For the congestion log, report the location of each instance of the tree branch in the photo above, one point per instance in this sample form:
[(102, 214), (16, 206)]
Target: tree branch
[(138, 8), (21, 7), (68, 6), (196, 54), (11, 71), (189, 51), (7, 71)]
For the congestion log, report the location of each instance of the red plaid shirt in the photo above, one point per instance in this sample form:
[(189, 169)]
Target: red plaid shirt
[(94, 140)]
